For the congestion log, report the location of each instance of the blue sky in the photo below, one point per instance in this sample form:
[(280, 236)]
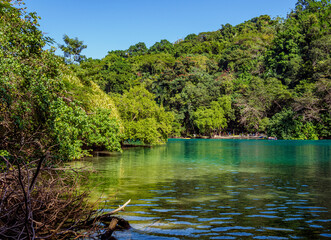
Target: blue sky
[(106, 25)]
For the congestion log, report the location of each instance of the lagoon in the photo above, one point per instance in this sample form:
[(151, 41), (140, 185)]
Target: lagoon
[(219, 189)]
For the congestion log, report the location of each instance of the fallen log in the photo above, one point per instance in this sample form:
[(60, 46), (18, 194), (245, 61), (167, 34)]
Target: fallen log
[(110, 230)]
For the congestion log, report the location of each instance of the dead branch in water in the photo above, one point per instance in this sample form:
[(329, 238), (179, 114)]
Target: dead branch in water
[(42, 204), (120, 208), (39, 202)]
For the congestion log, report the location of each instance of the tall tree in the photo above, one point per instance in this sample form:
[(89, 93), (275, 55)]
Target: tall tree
[(72, 49)]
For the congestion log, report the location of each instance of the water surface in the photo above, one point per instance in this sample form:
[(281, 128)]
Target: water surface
[(219, 189)]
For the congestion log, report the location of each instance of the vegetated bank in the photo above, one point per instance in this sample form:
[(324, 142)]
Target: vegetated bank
[(46, 116)]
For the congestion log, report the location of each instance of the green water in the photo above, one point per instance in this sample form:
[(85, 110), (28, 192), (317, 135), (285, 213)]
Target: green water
[(219, 189)]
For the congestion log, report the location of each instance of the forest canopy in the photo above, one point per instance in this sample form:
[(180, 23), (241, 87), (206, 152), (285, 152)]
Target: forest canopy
[(266, 69)]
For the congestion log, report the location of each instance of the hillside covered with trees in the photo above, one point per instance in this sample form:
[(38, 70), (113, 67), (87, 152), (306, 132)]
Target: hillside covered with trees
[(264, 75)]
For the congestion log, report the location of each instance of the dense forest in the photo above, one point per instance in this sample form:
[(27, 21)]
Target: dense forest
[(265, 75)]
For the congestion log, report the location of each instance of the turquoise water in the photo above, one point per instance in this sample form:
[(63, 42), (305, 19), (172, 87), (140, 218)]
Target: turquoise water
[(219, 189)]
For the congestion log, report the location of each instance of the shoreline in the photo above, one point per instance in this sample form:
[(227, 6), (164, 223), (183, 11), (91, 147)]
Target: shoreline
[(260, 137)]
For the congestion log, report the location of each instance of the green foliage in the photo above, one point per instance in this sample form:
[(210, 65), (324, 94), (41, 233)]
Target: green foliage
[(225, 103), (285, 125), (143, 119), (74, 131), (152, 64), (259, 68), (68, 124), (263, 75), (210, 119), (37, 112), (90, 97), (72, 49), (324, 126), (190, 37), (249, 74), (215, 117), (113, 73), (185, 87), (143, 131), (29, 80), (292, 55), (163, 46), (4, 153), (103, 130), (137, 49), (258, 99)]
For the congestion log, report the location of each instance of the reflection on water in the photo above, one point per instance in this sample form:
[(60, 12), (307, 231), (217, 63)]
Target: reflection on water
[(220, 189)]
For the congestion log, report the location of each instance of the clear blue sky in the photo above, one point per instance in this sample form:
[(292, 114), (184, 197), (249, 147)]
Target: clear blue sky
[(106, 25)]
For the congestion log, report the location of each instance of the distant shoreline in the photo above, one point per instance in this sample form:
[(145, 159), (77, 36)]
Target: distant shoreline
[(240, 137), (259, 137)]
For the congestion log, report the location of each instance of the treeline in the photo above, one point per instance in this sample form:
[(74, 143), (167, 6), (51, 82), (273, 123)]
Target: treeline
[(265, 75)]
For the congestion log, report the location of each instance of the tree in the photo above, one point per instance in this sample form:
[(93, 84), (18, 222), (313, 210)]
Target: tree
[(162, 46), (211, 119), (36, 115), (34, 99), (143, 119), (29, 82), (285, 125), (72, 49), (262, 66), (190, 37), (115, 75), (137, 49)]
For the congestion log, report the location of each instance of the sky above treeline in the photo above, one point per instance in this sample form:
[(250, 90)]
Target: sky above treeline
[(106, 25)]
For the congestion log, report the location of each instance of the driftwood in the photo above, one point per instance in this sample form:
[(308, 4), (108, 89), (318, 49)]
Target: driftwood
[(108, 217), (121, 208)]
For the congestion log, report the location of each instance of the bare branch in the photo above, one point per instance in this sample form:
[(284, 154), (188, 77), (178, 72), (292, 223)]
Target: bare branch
[(120, 208)]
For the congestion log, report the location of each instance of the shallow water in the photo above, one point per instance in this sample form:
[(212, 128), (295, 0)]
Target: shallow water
[(219, 189)]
